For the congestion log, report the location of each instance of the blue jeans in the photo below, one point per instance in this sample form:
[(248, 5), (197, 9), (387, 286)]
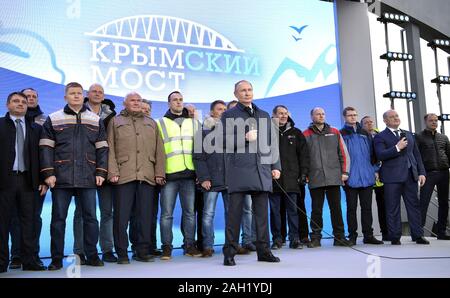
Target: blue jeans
[(209, 210), (105, 202), (61, 198), (186, 189), (248, 222)]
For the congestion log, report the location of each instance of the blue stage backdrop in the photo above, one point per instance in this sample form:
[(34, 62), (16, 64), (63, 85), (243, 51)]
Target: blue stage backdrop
[(287, 49)]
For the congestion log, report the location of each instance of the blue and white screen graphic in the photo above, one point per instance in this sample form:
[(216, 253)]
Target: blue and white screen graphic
[(286, 49)]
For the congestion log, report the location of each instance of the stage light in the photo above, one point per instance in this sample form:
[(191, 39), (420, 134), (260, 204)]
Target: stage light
[(393, 18), (441, 80), (439, 43), (400, 94), (392, 56), (444, 117)]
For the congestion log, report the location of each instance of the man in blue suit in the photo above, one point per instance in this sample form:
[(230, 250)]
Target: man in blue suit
[(401, 170)]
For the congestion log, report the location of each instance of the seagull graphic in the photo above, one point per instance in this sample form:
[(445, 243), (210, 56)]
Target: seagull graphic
[(299, 31)]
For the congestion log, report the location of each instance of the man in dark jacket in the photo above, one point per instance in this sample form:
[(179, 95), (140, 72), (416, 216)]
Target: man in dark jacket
[(74, 161), (210, 170), (251, 161), (401, 170), (435, 151), (329, 168), (104, 108), (294, 157), (35, 114), (19, 179), (363, 169)]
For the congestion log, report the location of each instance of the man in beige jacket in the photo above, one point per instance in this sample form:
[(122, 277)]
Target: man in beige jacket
[(136, 164)]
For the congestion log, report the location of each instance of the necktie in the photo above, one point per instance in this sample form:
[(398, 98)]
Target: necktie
[(397, 134), (20, 141)]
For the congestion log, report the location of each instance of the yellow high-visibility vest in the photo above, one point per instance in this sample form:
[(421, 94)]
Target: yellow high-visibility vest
[(178, 143)]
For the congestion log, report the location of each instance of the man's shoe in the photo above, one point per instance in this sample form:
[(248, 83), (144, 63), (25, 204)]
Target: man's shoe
[(372, 240), (422, 240), (443, 237), (192, 251), (156, 252), (56, 264), (145, 258), (314, 243), (295, 244), (242, 251), (109, 257), (208, 252), (277, 244), (123, 260), (16, 263), (249, 246), (396, 242), (33, 267), (3, 270), (229, 261), (342, 242), (82, 259), (305, 241), (352, 240), (166, 253), (95, 261), (268, 257)]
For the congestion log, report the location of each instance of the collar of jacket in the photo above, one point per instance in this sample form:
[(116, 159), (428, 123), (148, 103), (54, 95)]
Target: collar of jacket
[(69, 111), (34, 112), (429, 132), (171, 116), (105, 102), (351, 130), (326, 128), (126, 113), (244, 108)]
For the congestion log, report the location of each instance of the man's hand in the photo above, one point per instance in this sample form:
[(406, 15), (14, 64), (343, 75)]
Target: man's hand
[(276, 174), (422, 180), (377, 176), (114, 179), (402, 144), (344, 177), (42, 189), (50, 181), (160, 180), (252, 135), (99, 180), (206, 184)]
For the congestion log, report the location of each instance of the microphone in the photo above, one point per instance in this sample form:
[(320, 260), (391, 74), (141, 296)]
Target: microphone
[(402, 135)]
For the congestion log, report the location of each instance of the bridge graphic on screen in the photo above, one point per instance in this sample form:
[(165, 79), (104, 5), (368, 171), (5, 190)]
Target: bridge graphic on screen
[(165, 30)]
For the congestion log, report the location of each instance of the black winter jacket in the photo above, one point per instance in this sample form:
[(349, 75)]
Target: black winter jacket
[(434, 149), (294, 156)]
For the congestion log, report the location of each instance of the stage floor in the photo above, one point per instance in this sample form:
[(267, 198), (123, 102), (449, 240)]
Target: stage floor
[(327, 261)]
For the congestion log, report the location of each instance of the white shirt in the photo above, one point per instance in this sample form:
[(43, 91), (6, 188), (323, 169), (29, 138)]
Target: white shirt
[(393, 130)]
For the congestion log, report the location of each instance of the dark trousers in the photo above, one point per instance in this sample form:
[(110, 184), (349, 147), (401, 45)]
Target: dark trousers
[(302, 217), (19, 193), (61, 198), (409, 191), (14, 228), (135, 195), (275, 200), (283, 219), (133, 228), (365, 200), (379, 197), (333, 194), (439, 179), (233, 222)]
